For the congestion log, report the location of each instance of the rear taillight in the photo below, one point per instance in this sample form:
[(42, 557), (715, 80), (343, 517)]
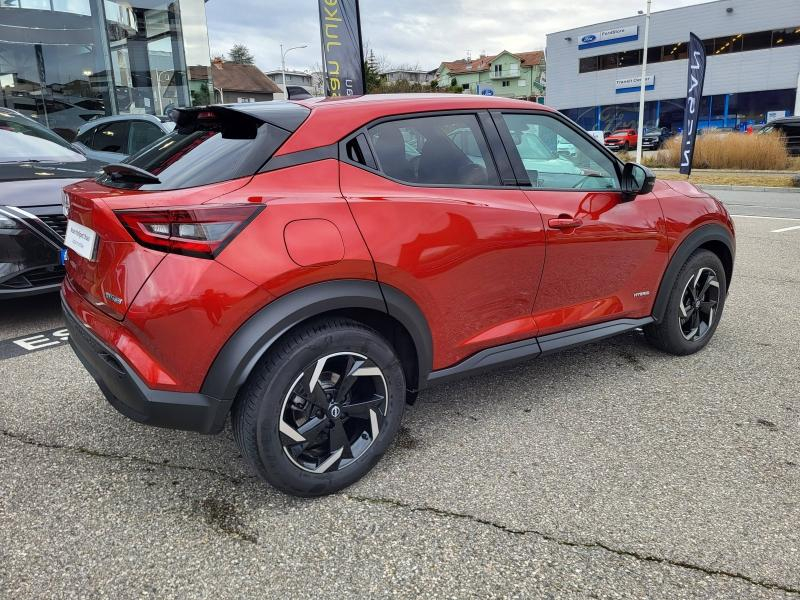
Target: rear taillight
[(201, 231)]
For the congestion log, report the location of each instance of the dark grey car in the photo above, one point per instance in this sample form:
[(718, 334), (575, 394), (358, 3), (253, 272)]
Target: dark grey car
[(35, 165)]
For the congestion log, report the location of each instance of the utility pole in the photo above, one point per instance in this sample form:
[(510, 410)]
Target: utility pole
[(640, 131)]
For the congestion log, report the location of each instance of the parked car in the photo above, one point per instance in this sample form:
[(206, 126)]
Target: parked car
[(35, 164), (653, 139), (299, 267), (61, 117), (112, 139), (622, 139), (789, 129)]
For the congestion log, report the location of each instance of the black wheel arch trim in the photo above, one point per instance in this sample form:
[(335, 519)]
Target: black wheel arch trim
[(240, 354), (704, 234)]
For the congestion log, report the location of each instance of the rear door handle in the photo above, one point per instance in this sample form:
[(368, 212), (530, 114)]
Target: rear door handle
[(564, 222)]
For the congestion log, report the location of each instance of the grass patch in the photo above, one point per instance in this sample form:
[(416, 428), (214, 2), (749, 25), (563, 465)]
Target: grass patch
[(750, 179), (728, 151)]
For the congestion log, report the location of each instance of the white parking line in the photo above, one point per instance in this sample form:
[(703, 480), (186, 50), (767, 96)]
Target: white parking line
[(760, 217), (785, 229)]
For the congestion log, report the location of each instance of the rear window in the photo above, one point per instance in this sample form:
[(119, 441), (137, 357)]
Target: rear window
[(206, 147)]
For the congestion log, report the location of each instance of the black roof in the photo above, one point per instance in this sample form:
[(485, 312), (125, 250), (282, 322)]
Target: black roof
[(286, 115)]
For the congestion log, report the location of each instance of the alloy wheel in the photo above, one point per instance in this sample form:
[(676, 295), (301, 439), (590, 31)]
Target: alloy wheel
[(333, 412), (699, 304)]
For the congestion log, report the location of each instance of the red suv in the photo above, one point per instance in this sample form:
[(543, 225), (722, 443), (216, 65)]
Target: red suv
[(309, 266), (622, 139)]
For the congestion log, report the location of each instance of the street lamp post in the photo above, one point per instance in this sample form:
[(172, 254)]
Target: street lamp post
[(283, 66), (642, 86)]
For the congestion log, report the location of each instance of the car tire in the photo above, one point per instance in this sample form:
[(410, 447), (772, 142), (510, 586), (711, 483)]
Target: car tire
[(626, 146), (695, 306), (284, 420)]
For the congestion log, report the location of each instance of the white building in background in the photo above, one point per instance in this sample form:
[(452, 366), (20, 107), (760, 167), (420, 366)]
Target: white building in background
[(753, 73)]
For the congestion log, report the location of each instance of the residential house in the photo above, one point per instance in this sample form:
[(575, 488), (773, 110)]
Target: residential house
[(234, 82), (511, 75), (293, 78), (409, 75)]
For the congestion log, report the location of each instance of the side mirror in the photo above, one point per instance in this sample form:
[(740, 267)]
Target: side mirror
[(636, 180)]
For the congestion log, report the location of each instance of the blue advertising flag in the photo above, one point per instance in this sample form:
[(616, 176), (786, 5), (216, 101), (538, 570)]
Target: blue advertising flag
[(342, 51), (694, 95)]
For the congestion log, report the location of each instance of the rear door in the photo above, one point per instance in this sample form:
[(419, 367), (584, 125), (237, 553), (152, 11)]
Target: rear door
[(447, 225), (605, 255)]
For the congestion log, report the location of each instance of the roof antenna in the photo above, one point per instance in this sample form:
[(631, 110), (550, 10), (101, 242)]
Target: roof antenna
[(469, 55)]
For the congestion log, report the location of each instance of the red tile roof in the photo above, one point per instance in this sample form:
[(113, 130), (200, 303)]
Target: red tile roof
[(459, 67), (236, 77)]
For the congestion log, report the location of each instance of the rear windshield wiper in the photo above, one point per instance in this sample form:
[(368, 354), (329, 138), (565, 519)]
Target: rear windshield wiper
[(129, 173)]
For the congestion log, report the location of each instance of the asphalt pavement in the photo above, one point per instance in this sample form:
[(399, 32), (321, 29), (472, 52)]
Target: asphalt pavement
[(608, 471)]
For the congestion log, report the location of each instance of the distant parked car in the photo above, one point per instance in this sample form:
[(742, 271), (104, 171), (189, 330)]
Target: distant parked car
[(35, 164), (62, 117), (113, 139), (622, 139), (789, 128), (653, 139)]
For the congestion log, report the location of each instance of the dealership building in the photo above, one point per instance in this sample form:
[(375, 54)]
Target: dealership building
[(753, 72), (64, 62)]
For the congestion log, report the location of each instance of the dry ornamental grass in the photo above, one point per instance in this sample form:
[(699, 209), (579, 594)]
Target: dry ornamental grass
[(719, 150)]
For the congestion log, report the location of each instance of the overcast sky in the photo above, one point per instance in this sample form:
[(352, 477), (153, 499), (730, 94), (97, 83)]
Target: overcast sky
[(409, 32)]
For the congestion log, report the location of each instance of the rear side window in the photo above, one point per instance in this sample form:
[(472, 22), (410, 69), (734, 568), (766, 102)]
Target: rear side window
[(210, 147), (143, 134), (439, 150), (112, 137)]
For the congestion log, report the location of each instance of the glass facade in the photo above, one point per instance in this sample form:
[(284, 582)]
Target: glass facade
[(723, 111), (65, 62)]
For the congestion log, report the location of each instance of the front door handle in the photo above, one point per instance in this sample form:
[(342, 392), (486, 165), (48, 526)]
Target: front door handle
[(564, 222)]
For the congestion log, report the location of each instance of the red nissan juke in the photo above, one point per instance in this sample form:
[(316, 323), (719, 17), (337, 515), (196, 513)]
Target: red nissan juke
[(307, 267)]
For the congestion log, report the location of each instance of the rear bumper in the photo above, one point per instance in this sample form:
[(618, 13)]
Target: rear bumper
[(126, 392)]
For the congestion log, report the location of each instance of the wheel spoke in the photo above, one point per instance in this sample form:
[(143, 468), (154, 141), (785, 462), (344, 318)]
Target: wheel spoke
[(708, 305), (313, 430), (310, 389), (339, 441), (350, 377), (362, 408), (711, 281)]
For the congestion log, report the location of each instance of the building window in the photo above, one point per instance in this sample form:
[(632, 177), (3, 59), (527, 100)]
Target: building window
[(760, 40), (464, 86), (786, 37), (506, 83), (588, 64)]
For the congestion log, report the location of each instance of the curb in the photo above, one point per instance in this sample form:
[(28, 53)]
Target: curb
[(749, 188)]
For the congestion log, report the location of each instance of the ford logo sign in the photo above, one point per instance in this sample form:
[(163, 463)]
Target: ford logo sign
[(588, 38)]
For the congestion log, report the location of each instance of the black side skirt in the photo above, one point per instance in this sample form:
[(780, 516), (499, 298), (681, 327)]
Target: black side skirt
[(507, 354)]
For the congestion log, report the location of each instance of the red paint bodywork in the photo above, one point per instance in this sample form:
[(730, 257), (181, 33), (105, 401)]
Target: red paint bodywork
[(483, 265)]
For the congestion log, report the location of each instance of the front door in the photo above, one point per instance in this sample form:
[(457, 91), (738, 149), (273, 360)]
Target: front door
[(443, 229), (605, 254)]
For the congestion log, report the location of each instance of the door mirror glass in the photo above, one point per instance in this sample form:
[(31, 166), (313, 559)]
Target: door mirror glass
[(637, 180)]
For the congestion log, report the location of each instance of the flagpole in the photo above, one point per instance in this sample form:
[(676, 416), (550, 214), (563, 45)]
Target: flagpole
[(642, 85)]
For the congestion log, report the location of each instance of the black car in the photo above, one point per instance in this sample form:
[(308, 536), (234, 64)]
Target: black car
[(789, 129), (35, 165), (653, 139)]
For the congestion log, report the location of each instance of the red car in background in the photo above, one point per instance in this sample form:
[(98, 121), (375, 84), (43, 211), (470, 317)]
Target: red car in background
[(308, 267), (622, 139)]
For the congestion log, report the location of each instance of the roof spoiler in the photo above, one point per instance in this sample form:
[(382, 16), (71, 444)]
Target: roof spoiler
[(286, 115)]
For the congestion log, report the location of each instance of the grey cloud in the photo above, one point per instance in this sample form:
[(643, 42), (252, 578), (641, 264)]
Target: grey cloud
[(409, 32)]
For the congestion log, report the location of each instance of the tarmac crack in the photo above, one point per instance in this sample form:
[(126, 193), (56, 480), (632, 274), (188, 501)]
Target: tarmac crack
[(165, 464), (594, 545), (238, 532)]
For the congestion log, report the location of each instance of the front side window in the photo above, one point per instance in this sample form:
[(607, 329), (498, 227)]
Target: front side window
[(440, 150), (555, 156)]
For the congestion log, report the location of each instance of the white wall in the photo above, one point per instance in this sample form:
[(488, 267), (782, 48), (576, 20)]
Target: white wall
[(758, 70)]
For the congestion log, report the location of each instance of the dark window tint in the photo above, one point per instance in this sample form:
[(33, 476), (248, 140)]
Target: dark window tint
[(208, 148), (143, 134), (630, 58), (726, 45), (760, 40), (441, 150), (654, 55), (588, 64), (786, 37), (111, 137), (86, 137), (609, 61)]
